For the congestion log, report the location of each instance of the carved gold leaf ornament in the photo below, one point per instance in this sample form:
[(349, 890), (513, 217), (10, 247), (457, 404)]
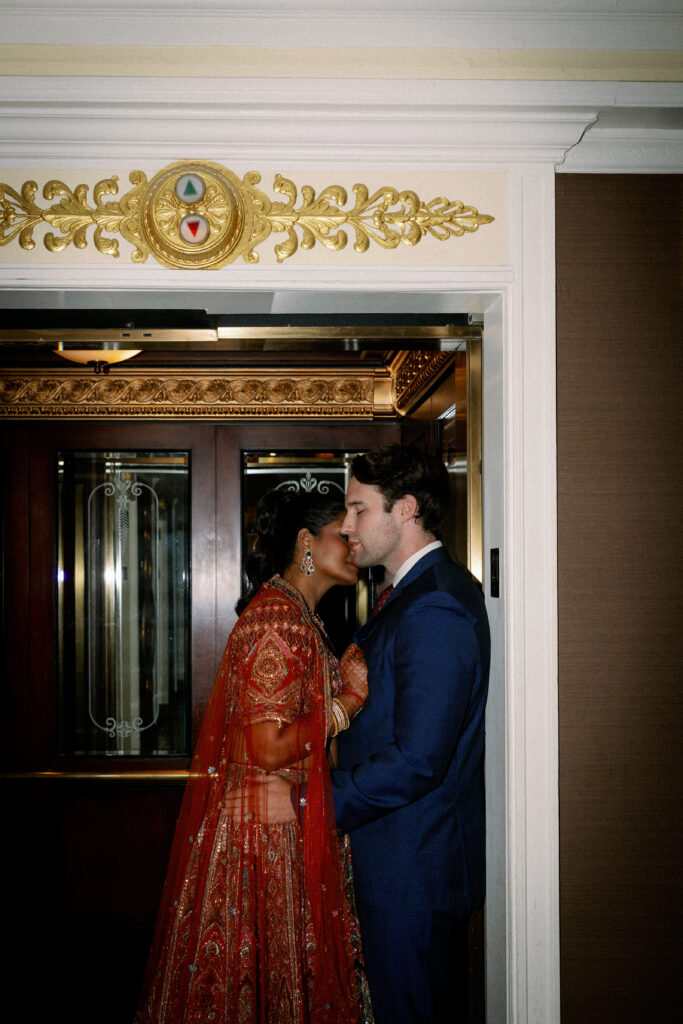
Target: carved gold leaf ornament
[(231, 394), (71, 215), (200, 215)]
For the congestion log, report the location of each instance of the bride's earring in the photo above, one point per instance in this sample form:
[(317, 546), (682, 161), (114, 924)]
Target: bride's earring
[(307, 565)]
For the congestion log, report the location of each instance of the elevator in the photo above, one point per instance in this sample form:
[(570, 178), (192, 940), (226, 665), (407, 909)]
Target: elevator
[(127, 493)]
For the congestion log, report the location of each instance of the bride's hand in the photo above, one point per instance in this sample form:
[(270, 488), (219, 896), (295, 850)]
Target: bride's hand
[(354, 673)]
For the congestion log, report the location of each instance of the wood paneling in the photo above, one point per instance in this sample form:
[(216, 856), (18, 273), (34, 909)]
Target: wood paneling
[(620, 492)]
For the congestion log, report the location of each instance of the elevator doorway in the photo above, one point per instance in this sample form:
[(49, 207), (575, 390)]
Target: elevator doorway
[(107, 819)]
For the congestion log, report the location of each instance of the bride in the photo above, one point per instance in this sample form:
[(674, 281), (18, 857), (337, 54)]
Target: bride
[(257, 921)]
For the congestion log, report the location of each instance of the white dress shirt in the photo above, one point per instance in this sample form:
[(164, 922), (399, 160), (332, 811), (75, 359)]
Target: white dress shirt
[(406, 566)]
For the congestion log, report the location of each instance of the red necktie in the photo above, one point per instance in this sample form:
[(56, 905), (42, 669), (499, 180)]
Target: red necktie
[(382, 599)]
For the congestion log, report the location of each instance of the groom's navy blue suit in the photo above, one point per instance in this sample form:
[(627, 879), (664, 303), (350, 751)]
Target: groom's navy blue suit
[(409, 788)]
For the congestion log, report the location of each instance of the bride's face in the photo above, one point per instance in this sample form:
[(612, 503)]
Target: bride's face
[(332, 557)]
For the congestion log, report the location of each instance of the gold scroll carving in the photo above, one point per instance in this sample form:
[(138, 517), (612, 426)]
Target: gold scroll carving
[(205, 394), (199, 215)]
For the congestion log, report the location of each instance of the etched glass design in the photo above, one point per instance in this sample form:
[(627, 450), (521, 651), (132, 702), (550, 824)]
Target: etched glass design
[(123, 592)]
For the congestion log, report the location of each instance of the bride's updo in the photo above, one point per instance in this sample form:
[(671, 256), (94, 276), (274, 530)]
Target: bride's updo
[(280, 515)]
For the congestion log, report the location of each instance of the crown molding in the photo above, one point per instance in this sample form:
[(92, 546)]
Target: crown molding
[(629, 151), (458, 24), (362, 93), (337, 124), (415, 124)]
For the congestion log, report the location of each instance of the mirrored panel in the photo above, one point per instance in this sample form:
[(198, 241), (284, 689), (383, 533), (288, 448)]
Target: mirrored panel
[(123, 603), (461, 450)]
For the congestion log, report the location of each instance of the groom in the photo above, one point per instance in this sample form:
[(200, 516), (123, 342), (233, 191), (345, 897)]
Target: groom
[(409, 787)]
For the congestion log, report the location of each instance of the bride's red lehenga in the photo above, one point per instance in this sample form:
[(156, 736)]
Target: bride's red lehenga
[(256, 924)]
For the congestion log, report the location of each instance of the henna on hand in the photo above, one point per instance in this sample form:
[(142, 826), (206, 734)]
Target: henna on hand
[(354, 673)]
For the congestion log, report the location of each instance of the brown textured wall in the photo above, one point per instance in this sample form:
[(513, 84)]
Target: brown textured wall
[(620, 393)]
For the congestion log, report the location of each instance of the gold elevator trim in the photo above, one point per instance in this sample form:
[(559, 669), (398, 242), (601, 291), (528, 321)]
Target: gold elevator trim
[(414, 373), (197, 394), (219, 217)]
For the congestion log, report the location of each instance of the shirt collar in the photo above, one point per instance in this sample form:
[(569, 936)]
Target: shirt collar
[(406, 566)]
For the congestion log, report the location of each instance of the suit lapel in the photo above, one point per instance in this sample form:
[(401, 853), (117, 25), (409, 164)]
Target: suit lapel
[(426, 562)]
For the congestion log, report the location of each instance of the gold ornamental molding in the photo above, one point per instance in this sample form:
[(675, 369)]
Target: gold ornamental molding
[(414, 373), (200, 215), (224, 394)]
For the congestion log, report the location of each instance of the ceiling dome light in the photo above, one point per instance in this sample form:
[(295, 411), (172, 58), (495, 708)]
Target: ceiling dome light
[(99, 358)]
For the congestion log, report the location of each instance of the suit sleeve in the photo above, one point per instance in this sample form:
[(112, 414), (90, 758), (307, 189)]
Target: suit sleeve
[(436, 662)]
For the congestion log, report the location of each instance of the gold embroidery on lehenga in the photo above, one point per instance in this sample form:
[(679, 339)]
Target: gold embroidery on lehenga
[(269, 667), (273, 692)]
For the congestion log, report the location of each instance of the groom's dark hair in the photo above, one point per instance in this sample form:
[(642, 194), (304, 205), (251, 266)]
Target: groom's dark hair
[(397, 470)]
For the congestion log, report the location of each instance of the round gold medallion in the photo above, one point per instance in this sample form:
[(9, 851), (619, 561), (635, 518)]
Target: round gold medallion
[(194, 216)]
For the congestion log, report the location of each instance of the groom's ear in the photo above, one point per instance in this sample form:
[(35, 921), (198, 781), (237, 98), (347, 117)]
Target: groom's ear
[(407, 507)]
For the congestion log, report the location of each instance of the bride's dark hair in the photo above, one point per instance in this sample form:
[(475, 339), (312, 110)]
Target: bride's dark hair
[(279, 517)]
